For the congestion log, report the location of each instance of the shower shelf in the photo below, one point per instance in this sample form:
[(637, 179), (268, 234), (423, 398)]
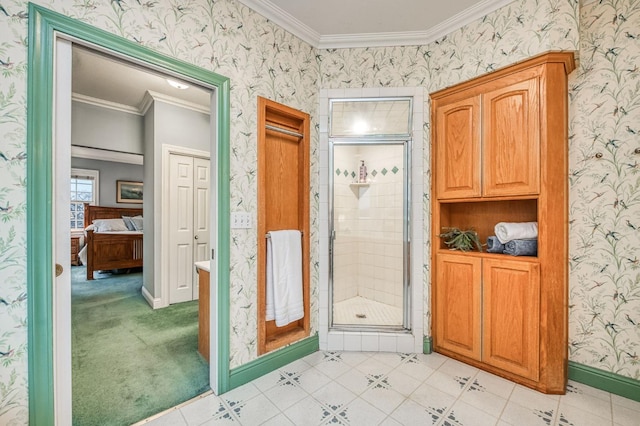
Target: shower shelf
[(358, 188)]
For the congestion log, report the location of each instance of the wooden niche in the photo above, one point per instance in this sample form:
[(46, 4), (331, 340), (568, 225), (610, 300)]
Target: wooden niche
[(283, 203)]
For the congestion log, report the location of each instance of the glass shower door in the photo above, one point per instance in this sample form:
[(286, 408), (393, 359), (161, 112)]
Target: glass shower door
[(369, 245)]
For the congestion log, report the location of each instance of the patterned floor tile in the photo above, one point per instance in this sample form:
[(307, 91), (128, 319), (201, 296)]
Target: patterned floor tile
[(477, 396), (463, 414), (383, 397), (519, 415), (432, 398), (173, 418), (354, 380), (334, 394), (410, 412), (453, 385), (256, 410), (201, 410), (360, 412), (588, 403), (311, 380), (306, 412), (398, 389), (569, 415), (624, 416)]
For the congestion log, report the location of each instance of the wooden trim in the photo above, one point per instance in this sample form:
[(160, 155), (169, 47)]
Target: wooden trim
[(272, 113), (272, 361)]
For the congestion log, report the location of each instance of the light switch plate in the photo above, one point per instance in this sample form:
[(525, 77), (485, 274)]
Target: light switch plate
[(240, 220)]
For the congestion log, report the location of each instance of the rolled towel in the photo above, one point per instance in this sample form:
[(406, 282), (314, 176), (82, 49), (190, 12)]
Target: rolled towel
[(521, 247), (494, 245), (507, 231)]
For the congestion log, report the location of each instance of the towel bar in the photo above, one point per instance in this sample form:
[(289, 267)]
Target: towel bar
[(269, 236)]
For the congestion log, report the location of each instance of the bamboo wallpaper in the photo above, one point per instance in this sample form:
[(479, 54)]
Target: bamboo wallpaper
[(262, 59)]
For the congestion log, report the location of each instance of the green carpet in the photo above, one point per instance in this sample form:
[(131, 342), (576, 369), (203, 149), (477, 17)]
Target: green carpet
[(130, 361)]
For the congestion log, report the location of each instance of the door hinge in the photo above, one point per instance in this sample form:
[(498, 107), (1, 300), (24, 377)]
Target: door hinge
[(213, 253)]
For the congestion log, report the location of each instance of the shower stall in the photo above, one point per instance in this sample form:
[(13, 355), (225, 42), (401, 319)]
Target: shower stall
[(369, 160)]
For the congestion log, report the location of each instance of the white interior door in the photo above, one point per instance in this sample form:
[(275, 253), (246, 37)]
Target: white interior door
[(181, 234), (62, 232), (201, 245)]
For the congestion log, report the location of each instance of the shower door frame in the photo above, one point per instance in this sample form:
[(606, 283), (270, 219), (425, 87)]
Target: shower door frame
[(406, 142)]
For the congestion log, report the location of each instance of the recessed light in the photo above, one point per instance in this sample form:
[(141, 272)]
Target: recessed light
[(177, 84)]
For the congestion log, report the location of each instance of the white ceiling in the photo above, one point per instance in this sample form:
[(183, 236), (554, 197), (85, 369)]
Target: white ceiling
[(100, 77), (366, 23)]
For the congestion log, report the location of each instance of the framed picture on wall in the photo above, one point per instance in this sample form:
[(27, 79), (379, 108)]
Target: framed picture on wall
[(128, 192)]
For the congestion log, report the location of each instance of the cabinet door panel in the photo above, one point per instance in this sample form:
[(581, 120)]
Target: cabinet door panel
[(511, 304), (458, 149), (511, 140), (458, 304)]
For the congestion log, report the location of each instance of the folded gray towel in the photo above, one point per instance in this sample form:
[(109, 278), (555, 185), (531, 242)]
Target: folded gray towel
[(521, 247), (494, 245)]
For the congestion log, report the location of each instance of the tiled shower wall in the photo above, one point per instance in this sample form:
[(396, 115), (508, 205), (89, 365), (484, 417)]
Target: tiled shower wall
[(369, 224)]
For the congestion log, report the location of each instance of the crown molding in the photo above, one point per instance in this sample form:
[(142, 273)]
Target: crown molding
[(77, 97), (284, 19), (409, 38), (151, 96), (106, 155)]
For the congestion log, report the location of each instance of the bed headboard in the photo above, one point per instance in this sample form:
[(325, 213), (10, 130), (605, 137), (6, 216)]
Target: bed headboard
[(92, 213)]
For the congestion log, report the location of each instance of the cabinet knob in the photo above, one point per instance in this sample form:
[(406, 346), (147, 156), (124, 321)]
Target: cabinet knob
[(196, 237), (636, 151)]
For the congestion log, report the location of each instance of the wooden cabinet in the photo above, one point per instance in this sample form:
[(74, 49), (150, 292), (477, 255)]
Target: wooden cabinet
[(511, 316), (75, 249), (510, 135), (499, 154), (458, 304)]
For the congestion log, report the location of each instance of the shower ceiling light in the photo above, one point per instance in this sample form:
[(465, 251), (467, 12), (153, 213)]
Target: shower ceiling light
[(360, 127)]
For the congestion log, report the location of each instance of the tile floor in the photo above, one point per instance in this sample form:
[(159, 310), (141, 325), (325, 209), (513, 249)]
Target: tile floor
[(350, 311), (356, 388)]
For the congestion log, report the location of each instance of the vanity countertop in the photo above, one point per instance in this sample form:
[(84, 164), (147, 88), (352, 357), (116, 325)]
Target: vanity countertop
[(203, 264)]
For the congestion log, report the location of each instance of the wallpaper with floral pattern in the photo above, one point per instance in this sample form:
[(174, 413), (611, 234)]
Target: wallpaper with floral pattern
[(263, 60)]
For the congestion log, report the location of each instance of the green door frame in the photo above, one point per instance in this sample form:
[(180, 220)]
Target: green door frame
[(43, 26)]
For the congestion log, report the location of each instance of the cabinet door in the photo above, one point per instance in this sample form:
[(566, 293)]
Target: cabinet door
[(511, 140), (511, 304), (457, 147), (457, 298)]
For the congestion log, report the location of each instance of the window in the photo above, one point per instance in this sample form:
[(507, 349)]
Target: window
[(84, 189)]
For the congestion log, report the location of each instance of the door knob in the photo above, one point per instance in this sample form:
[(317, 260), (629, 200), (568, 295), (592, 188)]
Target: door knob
[(59, 269)]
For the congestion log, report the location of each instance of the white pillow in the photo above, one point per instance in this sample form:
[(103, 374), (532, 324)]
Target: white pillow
[(137, 222), (109, 225)]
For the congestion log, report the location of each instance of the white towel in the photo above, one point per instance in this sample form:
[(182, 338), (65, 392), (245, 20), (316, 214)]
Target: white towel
[(507, 231), (284, 277)]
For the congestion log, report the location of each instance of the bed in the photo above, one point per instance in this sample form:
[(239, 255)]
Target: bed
[(111, 250)]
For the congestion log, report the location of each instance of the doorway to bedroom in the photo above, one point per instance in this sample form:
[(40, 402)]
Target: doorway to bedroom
[(126, 335)]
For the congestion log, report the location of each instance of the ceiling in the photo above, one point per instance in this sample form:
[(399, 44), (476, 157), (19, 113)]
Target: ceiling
[(367, 23), (98, 77), (323, 24)]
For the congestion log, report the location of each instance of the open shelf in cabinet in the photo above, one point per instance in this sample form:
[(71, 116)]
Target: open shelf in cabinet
[(483, 216)]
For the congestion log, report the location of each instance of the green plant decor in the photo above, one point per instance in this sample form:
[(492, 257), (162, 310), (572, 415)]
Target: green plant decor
[(457, 239)]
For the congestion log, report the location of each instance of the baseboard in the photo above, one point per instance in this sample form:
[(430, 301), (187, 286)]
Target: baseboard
[(154, 303), (426, 345), (605, 380), (272, 361)]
